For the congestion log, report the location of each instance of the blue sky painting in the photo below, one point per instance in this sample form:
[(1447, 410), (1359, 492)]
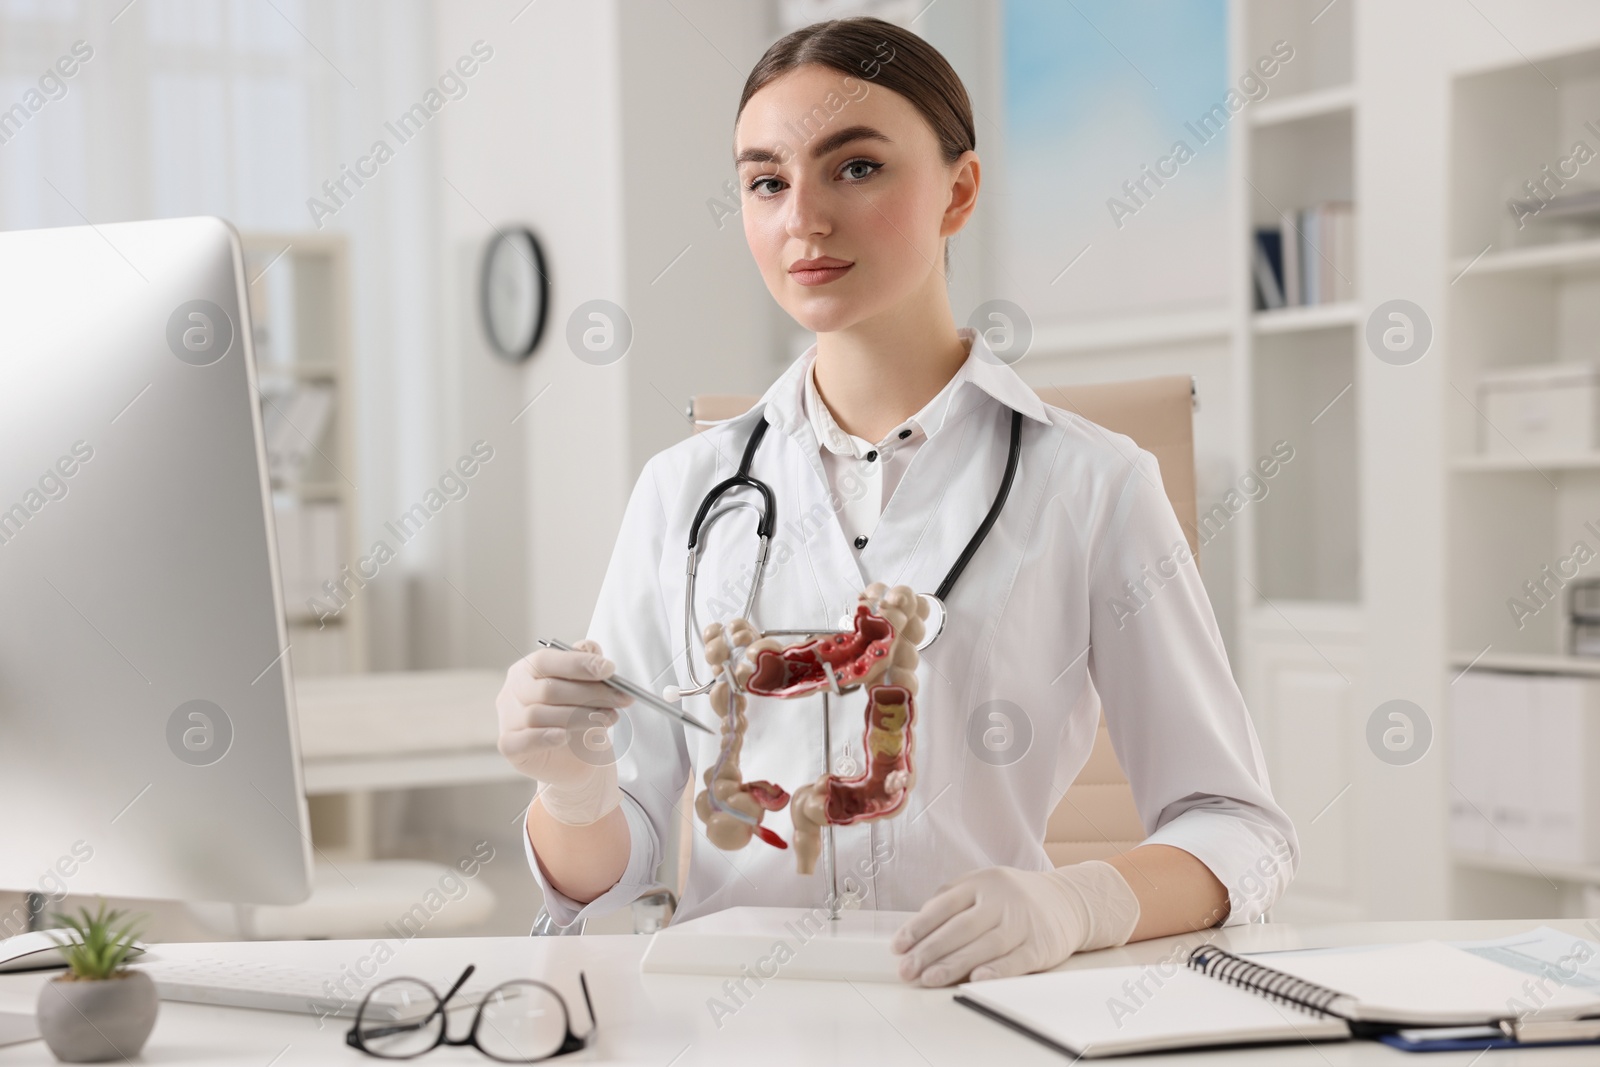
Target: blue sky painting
[(1099, 93)]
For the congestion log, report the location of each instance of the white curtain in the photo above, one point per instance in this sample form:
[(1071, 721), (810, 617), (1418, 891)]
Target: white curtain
[(243, 108)]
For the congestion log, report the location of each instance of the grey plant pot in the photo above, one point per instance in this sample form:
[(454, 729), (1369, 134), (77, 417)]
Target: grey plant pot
[(96, 1021)]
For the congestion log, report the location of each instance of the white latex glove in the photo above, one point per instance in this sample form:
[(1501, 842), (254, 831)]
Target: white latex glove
[(1001, 921), (555, 715)]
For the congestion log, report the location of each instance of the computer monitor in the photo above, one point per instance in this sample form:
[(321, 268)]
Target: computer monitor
[(147, 733)]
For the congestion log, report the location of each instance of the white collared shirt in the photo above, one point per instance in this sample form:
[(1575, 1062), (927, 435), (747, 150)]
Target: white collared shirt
[(864, 475), (1083, 591)]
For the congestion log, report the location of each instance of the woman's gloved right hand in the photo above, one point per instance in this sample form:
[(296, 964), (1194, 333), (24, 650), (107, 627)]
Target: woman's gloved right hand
[(555, 716)]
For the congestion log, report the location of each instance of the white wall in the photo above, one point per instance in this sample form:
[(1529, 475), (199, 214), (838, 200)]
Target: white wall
[(606, 127), (539, 146), (703, 320)]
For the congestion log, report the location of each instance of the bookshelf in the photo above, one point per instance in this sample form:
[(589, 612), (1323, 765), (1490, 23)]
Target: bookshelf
[(1518, 295), (1298, 152), (299, 303), (1378, 566), (1520, 292)]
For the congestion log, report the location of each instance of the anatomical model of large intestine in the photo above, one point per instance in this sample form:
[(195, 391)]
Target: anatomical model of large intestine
[(881, 655)]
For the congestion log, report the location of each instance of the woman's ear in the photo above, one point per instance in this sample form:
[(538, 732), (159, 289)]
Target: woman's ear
[(966, 175)]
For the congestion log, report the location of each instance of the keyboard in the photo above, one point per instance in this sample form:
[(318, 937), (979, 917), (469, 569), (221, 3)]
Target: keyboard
[(271, 987)]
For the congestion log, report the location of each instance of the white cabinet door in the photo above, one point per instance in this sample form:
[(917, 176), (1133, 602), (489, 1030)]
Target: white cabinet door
[(1303, 688)]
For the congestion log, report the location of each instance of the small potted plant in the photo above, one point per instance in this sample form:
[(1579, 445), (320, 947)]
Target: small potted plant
[(98, 1010)]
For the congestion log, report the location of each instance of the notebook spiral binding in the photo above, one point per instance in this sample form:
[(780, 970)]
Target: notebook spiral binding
[(1275, 985)]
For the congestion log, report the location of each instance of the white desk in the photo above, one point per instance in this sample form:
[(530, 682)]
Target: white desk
[(664, 1020)]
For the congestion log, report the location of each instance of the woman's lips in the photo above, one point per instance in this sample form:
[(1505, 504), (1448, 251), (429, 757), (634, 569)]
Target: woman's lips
[(819, 275)]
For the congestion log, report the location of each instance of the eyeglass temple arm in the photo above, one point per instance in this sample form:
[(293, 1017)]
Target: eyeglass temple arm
[(572, 1042), (589, 1004), (457, 987)]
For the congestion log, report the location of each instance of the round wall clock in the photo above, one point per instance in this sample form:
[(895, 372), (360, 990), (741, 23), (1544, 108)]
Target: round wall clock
[(514, 290)]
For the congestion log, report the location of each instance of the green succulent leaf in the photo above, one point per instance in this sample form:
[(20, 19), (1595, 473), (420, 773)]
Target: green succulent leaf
[(100, 943)]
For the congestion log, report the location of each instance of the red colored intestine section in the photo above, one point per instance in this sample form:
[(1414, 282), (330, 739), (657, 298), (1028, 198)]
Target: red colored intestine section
[(799, 670), (881, 790)]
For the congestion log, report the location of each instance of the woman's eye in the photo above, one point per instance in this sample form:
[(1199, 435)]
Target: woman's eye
[(763, 185), (852, 169)]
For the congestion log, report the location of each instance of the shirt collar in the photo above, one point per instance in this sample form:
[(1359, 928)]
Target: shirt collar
[(984, 374), (833, 437)]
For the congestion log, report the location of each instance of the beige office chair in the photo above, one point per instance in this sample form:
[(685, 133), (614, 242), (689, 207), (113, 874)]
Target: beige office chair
[(1096, 817)]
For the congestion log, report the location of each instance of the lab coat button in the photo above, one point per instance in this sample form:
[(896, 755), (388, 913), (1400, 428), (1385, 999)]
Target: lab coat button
[(872, 455), (861, 542), (905, 433)]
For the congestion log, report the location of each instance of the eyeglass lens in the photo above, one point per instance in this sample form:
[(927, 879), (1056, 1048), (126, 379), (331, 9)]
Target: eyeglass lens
[(521, 1021), (400, 1018)]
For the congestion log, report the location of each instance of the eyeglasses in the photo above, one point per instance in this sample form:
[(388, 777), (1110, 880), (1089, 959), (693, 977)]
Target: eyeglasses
[(521, 1021)]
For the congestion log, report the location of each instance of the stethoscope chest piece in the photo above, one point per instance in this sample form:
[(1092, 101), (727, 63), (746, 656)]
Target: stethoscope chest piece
[(934, 625)]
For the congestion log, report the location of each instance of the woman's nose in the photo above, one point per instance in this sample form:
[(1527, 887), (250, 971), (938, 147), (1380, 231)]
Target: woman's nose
[(808, 215)]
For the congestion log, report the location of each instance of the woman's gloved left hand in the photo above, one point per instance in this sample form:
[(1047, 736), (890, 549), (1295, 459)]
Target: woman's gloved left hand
[(1002, 921)]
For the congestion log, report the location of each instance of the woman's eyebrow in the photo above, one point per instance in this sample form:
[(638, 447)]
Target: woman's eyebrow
[(832, 142)]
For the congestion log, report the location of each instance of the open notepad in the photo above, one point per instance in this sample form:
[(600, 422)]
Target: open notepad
[(1217, 998)]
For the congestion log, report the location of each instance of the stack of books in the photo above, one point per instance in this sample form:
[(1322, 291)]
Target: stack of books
[(1310, 258)]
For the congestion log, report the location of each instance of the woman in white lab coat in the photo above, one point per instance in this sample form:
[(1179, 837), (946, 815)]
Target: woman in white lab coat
[(886, 444)]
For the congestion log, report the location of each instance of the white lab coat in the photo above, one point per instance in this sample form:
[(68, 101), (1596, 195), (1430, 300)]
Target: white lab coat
[(1042, 627)]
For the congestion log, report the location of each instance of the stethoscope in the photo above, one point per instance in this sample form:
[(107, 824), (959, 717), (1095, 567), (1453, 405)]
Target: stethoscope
[(766, 521)]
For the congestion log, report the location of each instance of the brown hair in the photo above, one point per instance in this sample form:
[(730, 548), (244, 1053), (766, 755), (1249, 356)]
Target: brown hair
[(880, 52)]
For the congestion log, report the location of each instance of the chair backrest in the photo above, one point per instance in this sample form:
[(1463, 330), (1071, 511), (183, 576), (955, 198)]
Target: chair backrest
[(1096, 817)]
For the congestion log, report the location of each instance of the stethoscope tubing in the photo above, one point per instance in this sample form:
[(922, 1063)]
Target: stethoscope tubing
[(766, 523)]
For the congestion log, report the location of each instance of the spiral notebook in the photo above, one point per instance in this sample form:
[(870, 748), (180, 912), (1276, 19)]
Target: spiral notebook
[(1216, 998)]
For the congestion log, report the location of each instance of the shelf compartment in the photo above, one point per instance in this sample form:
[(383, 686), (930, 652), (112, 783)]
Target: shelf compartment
[(1321, 33), (1307, 523), (1513, 129)]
